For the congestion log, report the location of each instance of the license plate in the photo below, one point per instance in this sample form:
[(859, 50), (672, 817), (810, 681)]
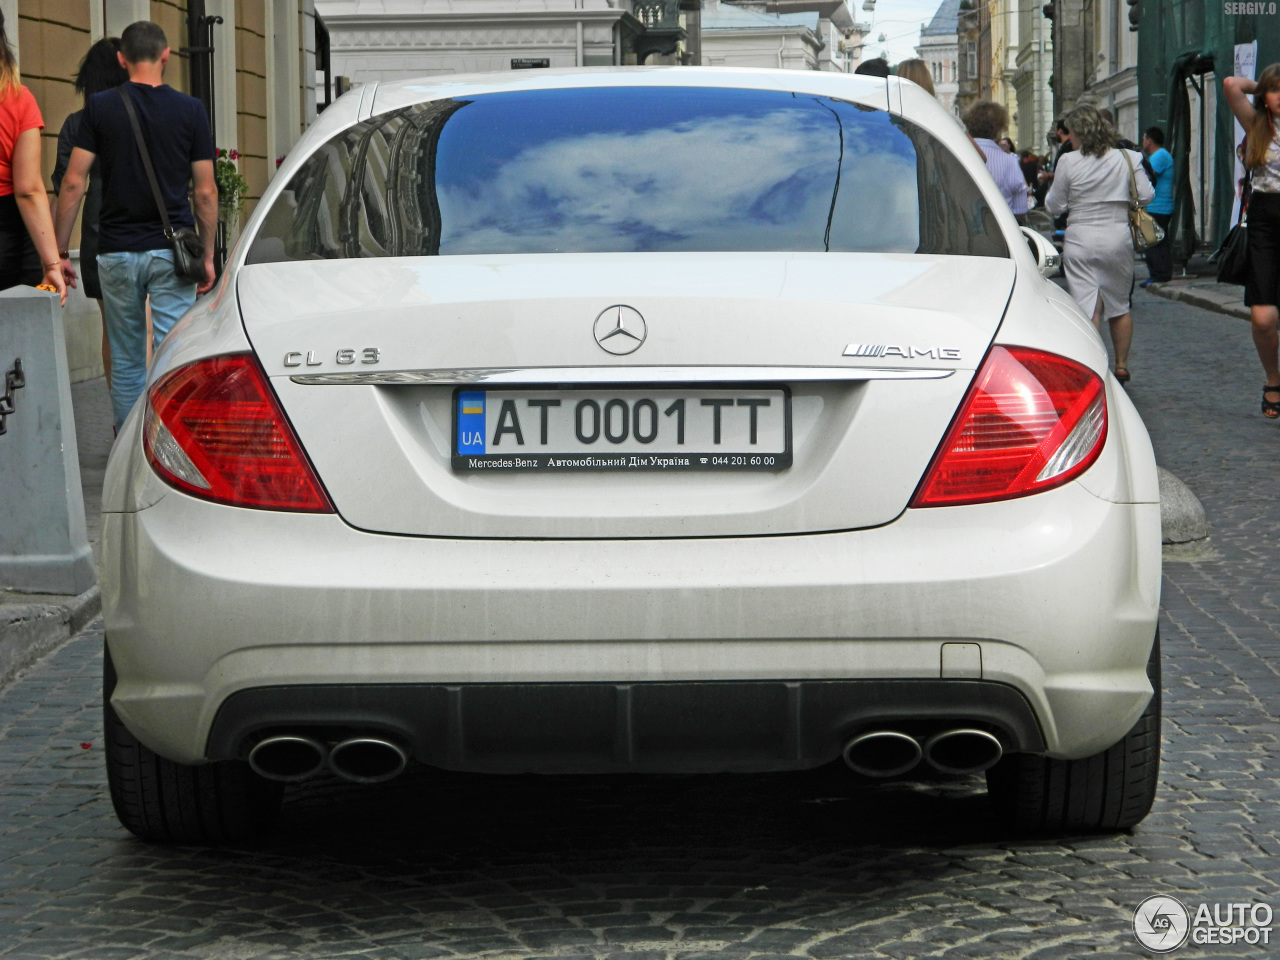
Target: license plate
[(593, 428)]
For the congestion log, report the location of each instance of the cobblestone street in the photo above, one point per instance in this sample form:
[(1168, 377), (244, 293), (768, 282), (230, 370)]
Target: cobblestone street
[(819, 865)]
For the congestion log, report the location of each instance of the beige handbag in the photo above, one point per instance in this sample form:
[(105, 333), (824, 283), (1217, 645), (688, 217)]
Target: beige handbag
[(1145, 231)]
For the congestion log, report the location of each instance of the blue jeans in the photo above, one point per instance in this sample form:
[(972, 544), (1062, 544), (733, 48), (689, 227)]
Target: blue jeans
[(128, 279)]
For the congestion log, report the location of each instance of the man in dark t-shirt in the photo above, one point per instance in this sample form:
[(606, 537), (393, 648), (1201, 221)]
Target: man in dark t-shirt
[(135, 259)]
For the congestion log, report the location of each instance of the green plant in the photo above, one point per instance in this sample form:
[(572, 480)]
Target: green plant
[(231, 184)]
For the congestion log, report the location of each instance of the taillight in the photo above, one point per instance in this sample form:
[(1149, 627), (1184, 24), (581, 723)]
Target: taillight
[(1031, 421), (213, 429)]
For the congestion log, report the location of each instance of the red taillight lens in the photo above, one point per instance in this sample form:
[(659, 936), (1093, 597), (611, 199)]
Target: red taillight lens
[(213, 429), (1030, 422)]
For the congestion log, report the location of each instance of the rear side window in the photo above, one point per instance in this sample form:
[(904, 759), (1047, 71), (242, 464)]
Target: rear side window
[(629, 169)]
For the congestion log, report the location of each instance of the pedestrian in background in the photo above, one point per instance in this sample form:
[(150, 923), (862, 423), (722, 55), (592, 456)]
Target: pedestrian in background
[(879, 67), (135, 258), (917, 71), (1160, 165), (1124, 142), (1262, 158), (99, 70), (1029, 164), (986, 120), (28, 252), (1093, 183), (1008, 145)]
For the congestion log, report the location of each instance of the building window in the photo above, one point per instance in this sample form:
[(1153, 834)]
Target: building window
[(972, 58)]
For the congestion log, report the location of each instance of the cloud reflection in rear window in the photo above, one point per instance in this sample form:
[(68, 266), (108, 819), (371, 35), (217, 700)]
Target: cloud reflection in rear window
[(628, 169)]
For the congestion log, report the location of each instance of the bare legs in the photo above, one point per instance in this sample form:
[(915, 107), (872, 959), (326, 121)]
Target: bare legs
[(1122, 338), (1264, 319)]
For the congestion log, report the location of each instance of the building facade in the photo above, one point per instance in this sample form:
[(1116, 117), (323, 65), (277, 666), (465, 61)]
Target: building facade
[(1033, 66), (786, 34), (258, 83), (441, 37), (940, 49)]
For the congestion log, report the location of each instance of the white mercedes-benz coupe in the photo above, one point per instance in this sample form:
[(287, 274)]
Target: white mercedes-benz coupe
[(632, 420)]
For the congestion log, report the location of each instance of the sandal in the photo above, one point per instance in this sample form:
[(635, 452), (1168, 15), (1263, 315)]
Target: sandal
[(1270, 408), (1122, 374)]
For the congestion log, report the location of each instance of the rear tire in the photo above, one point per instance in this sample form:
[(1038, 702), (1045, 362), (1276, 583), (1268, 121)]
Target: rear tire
[(1111, 790), (161, 800)]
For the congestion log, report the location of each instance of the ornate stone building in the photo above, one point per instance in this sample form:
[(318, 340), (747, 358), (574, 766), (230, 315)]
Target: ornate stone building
[(790, 34), (435, 37), (1033, 64)]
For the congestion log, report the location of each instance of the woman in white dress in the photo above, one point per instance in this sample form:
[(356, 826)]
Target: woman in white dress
[(1093, 183)]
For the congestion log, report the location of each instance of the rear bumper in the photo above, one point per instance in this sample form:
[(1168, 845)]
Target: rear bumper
[(642, 727), (1055, 597)]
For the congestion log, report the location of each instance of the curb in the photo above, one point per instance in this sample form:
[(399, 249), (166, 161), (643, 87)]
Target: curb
[(1231, 306), (29, 630)]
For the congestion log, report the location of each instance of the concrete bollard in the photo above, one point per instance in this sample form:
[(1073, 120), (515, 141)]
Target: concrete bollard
[(1182, 518), (43, 544)]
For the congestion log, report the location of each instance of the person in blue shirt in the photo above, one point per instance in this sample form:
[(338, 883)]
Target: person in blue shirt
[(1159, 257)]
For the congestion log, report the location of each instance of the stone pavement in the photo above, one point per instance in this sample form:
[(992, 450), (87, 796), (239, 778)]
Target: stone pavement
[(1196, 285), (732, 867)]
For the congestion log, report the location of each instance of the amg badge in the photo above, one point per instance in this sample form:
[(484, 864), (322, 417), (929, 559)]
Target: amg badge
[(905, 352)]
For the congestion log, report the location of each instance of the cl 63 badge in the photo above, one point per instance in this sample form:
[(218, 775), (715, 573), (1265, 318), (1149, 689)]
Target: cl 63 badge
[(343, 357)]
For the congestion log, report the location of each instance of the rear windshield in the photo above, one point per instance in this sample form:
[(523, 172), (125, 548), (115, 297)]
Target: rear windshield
[(629, 169)]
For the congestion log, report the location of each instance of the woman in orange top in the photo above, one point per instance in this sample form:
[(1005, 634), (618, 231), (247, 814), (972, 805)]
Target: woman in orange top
[(28, 253)]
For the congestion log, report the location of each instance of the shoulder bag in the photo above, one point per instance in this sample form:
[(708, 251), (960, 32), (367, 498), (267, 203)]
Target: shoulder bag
[(1233, 255), (1143, 228), (188, 250)]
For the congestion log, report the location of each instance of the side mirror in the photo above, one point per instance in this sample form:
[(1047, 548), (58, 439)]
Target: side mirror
[(1046, 254)]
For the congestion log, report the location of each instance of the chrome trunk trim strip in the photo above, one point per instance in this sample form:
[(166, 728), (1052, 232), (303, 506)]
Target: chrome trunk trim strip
[(616, 375)]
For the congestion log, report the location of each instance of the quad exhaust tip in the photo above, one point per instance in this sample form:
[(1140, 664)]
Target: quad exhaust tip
[(367, 759), (889, 753), (290, 758), (287, 758), (882, 753), (963, 751)]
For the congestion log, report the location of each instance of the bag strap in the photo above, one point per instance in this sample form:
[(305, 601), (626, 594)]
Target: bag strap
[(146, 161), (1133, 181)]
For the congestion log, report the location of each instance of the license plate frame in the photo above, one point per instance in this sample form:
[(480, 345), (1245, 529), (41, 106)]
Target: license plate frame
[(535, 458)]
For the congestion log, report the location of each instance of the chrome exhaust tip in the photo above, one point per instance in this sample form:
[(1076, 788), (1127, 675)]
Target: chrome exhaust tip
[(367, 760), (287, 758), (963, 751), (882, 753)]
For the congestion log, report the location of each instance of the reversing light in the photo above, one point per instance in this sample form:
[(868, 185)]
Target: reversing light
[(1031, 421)]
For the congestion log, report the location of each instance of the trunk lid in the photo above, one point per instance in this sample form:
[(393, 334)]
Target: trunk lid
[(873, 352)]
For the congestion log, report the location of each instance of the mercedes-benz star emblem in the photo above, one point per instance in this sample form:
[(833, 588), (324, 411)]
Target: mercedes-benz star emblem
[(620, 330)]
